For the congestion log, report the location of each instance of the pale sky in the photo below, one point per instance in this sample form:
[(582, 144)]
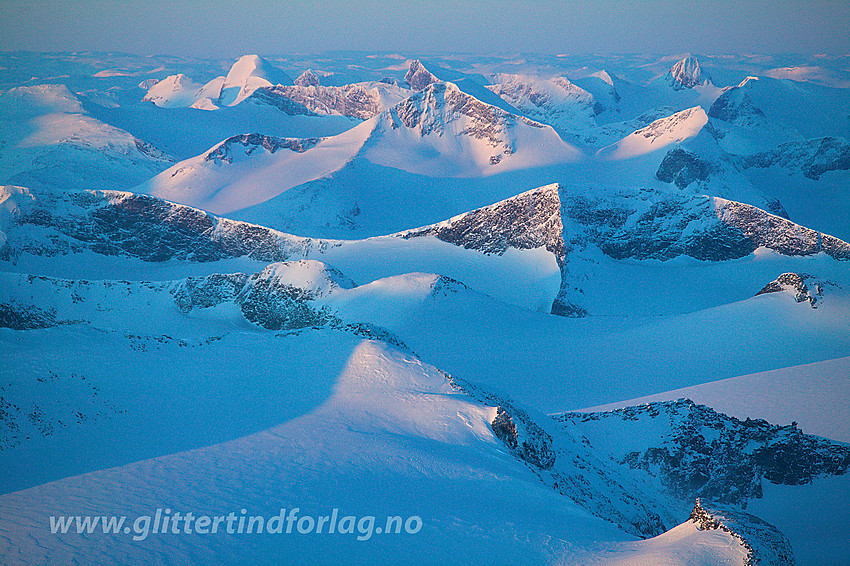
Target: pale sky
[(225, 29)]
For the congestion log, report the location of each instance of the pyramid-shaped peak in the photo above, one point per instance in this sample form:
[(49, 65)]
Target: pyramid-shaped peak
[(687, 73), (307, 78), (418, 77)]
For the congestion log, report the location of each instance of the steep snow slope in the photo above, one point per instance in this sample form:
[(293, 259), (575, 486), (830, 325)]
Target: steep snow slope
[(60, 235), (546, 249), (247, 74), (257, 173), (761, 112), (443, 132), (48, 140), (428, 438)]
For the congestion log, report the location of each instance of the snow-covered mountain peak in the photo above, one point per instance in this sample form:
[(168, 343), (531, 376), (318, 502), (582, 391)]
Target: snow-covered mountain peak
[(555, 101), (250, 66), (467, 136), (418, 77), (687, 74), (307, 78), (173, 91), (603, 76), (248, 74)]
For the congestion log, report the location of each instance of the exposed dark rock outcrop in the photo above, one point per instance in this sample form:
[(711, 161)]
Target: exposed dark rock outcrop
[(26, 317), (141, 226), (795, 283), (686, 74), (272, 97), (251, 142), (682, 167), (735, 104), (307, 78), (527, 221)]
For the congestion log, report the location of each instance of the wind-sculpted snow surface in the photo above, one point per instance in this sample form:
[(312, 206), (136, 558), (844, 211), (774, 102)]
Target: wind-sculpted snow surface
[(48, 139)]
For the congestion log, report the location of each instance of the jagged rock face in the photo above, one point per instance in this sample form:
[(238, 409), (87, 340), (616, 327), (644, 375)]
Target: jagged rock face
[(682, 167), (568, 466), (251, 142), (812, 157), (271, 96), (686, 74), (707, 454), (429, 111), (795, 283), (667, 226), (307, 78), (418, 77), (140, 226), (527, 221), (355, 100), (642, 225), (779, 234)]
